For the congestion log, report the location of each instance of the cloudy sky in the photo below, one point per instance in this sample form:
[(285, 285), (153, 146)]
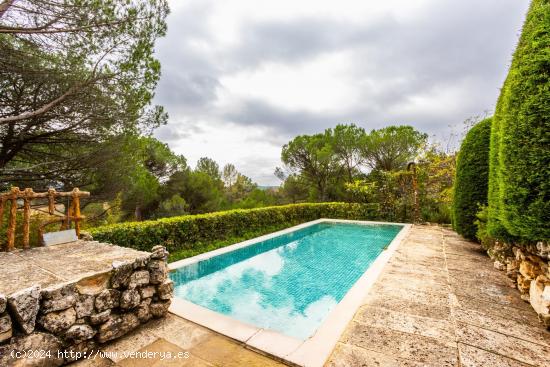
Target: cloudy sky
[(240, 78)]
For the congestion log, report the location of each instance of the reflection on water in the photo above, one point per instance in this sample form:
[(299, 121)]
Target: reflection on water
[(288, 283)]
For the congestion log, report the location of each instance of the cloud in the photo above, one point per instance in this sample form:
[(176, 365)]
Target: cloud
[(245, 76)]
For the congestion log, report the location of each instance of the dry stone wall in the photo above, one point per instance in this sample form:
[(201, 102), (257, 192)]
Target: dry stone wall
[(79, 316), (529, 267)]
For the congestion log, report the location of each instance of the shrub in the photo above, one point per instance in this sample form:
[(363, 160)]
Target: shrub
[(520, 153), (472, 170), (198, 231)]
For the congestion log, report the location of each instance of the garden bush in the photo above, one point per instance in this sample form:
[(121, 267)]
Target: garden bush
[(472, 170), (196, 232), (519, 198)]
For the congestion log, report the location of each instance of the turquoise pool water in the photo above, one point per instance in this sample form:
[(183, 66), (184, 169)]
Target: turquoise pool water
[(288, 283)]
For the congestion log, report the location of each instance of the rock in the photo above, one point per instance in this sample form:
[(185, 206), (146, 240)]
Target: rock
[(116, 326), (24, 306), (539, 297), (159, 309), (523, 285), (3, 303), (158, 271), (512, 268), (121, 274), (74, 350), (94, 284), (141, 262), (142, 312), (56, 322), (518, 253), (6, 331), (58, 304), (147, 292), (5, 336), (109, 298), (165, 289), (129, 299), (139, 278), (5, 323), (57, 298), (47, 344), (85, 305), (86, 236), (100, 318), (531, 267), (499, 266), (79, 333), (159, 253), (543, 250)]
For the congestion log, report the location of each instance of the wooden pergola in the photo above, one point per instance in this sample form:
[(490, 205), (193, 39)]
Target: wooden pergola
[(27, 196)]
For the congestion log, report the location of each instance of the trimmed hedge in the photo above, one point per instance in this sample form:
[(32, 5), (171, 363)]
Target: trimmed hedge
[(471, 182), (191, 231), (520, 151)]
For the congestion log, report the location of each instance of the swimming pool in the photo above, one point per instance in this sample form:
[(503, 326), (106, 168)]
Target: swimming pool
[(288, 283)]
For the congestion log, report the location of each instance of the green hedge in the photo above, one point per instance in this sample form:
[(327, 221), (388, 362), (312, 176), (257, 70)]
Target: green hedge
[(520, 193), (472, 170), (192, 231)]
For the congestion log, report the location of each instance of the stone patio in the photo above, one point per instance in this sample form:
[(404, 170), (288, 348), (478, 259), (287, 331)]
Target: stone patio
[(438, 302)]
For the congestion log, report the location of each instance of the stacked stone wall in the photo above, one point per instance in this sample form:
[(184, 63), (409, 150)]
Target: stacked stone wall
[(79, 316), (529, 267)]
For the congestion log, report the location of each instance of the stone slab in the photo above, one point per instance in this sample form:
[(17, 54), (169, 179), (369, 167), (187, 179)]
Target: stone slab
[(57, 238), (46, 266)]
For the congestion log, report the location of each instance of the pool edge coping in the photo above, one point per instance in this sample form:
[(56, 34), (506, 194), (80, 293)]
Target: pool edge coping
[(315, 350)]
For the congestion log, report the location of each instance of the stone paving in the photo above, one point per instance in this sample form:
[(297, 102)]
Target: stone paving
[(174, 335), (439, 302)]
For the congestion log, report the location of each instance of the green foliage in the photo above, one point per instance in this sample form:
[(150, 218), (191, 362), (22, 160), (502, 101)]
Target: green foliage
[(75, 75), (392, 147), (519, 193), (172, 207), (313, 156), (209, 166), (472, 170), (197, 232), (481, 224)]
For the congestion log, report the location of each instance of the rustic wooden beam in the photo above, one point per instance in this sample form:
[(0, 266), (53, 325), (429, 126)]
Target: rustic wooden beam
[(76, 210), (27, 217), (42, 195)]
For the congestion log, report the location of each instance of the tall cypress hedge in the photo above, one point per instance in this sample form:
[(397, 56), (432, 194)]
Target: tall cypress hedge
[(519, 198), (471, 182)]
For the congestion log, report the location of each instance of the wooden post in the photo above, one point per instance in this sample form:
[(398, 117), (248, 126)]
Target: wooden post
[(76, 211), (51, 201), (10, 245), (27, 216)]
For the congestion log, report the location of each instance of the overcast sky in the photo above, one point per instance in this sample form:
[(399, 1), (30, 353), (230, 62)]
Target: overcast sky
[(240, 78)]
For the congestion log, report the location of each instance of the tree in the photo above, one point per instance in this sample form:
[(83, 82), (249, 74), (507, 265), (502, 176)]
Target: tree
[(313, 157), (472, 177), (73, 76), (208, 166), (392, 147), (346, 144), (519, 200), (229, 175)]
